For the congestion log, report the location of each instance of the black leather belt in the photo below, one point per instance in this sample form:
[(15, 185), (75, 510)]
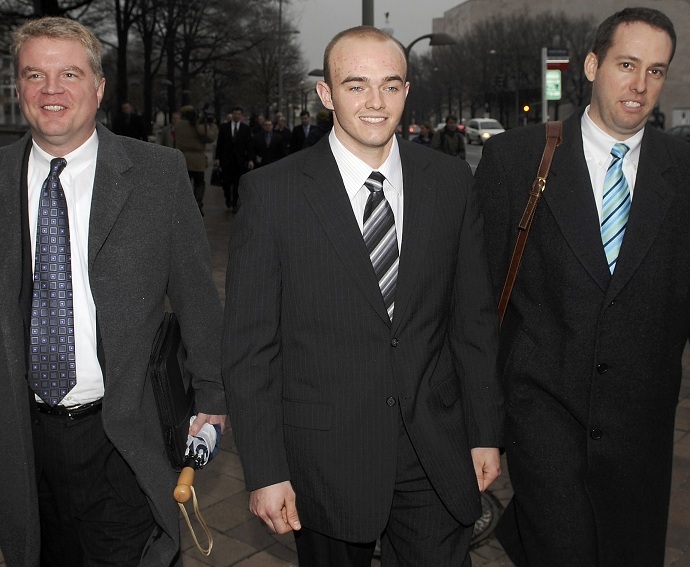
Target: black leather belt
[(74, 412)]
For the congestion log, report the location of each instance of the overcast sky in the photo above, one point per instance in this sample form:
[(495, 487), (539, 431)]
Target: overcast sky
[(319, 20)]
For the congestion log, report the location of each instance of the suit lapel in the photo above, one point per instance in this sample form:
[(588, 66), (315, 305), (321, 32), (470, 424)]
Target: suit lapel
[(570, 200), (419, 201), (110, 190), (325, 191), (652, 197)]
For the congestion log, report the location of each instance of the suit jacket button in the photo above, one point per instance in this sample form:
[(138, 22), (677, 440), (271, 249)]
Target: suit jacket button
[(390, 401), (596, 434), (394, 342), (602, 368)]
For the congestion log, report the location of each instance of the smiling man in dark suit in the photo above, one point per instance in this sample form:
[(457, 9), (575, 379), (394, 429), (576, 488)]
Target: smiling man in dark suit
[(358, 348), (592, 339), (114, 229)]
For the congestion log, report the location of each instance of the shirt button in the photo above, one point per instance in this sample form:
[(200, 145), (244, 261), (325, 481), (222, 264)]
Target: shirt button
[(602, 368), (394, 342), (596, 434), (390, 401)]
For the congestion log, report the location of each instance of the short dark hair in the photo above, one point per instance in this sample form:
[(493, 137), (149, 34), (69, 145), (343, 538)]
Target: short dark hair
[(361, 32), (305, 113), (451, 117), (234, 108), (603, 40)]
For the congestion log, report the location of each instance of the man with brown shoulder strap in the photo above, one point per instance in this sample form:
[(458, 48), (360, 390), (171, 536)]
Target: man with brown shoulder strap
[(592, 338)]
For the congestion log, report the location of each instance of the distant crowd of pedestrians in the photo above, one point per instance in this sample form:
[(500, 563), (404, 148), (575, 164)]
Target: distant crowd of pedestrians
[(241, 144)]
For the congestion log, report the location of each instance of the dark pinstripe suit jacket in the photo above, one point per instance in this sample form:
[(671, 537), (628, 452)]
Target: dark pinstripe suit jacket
[(318, 376)]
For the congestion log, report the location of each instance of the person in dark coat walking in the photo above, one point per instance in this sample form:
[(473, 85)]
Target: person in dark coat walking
[(304, 134), (449, 139), (234, 154), (129, 123), (269, 145), (592, 339)]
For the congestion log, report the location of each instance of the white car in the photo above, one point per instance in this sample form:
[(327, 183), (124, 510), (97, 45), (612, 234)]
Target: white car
[(481, 129)]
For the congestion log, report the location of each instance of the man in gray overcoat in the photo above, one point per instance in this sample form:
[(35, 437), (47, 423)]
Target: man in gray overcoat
[(87, 258)]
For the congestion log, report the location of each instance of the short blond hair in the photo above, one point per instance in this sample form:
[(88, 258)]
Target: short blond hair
[(58, 28), (362, 32)]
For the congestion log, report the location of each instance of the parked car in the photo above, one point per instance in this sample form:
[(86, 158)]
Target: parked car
[(481, 129), (682, 131)]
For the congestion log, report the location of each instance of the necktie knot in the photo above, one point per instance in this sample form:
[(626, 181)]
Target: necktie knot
[(619, 150), (56, 167), (375, 182)]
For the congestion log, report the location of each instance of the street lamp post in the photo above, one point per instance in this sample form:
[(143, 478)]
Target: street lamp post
[(435, 39)]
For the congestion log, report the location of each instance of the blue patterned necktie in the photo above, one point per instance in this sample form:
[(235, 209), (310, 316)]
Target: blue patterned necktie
[(616, 206), (53, 367), (381, 239)]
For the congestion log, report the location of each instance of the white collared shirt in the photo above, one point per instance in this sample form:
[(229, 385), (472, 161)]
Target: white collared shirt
[(597, 146), (77, 183), (355, 172)]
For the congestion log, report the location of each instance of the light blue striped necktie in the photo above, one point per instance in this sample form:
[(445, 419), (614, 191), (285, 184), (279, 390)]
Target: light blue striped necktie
[(616, 206), (381, 239)]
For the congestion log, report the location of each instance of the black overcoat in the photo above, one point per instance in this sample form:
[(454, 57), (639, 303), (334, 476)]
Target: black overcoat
[(591, 363)]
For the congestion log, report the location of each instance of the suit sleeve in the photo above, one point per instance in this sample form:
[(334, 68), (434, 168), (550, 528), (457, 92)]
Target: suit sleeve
[(474, 332), (252, 342), (494, 202), (194, 298)]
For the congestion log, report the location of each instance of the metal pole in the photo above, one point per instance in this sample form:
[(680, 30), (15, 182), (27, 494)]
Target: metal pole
[(367, 12), (279, 59)]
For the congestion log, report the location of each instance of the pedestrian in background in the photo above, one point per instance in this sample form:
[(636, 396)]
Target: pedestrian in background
[(364, 396), (234, 155), (129, 123), (593, 336), (192, 134), (168, 133), (426, 133), (269, 146), (89, 258), (282, 128), (449, 139), (304, 134)]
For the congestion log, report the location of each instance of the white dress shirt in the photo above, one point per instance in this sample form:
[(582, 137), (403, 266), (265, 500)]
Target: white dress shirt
[(355, 172), (77, 183), (597, 146)]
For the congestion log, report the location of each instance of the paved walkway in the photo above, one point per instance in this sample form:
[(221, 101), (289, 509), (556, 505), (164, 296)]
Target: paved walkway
[(241, 540)]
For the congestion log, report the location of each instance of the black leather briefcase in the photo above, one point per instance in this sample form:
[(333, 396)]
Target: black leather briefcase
[(172, 388)]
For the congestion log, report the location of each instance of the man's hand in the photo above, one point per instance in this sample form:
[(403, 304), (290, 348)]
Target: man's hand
[(250, 165), (487, 465), (275, 505), (202, 418)]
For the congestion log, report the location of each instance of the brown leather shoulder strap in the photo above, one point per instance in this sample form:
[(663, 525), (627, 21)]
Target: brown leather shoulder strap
[(554, 137)]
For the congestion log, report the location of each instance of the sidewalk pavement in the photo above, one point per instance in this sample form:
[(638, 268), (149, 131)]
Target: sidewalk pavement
[(241, 540)]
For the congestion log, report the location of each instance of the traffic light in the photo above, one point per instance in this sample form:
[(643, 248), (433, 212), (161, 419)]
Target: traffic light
[(526, 108)]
